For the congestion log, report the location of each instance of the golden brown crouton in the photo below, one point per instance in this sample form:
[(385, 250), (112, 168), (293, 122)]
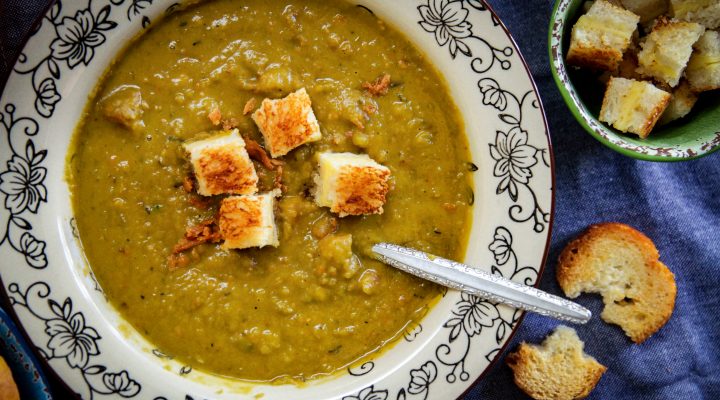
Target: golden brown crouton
[(222, 165), (633, 106), (351, 184), (703, 70), (622, 265), (666, 50), (600, 37), (287, 123), (248, 221)]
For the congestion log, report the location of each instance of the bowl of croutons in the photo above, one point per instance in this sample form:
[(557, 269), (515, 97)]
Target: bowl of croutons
[(641, 76)]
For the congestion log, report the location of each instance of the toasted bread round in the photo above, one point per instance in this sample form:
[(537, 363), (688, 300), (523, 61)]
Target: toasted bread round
[(622, 265), (556, 370), (8, 388)]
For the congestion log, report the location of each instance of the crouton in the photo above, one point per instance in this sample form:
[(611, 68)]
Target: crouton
[(682, 101), (287, 123), (248, 221), (622, 265), (648, 10), (558, 369), (222, 165), (125, 106), (351, 184), (600, 37), (703, 70), (633, 106), (705, 12), (666, 50)]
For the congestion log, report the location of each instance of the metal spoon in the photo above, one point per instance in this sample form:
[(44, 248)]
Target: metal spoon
[(463, 277)]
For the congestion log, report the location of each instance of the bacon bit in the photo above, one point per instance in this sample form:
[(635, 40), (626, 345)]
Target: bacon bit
[(277, 182), (214, 116), (205, 232), (188, 184), (229, 123), (256, 152), (370, 109), (177, 261), (379, 87), (250, 106), (202, 203)]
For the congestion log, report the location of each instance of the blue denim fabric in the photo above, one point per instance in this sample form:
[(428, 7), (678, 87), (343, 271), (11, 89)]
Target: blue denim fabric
[(676, 204)]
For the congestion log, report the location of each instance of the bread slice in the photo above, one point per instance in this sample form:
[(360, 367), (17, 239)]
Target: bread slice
[(633, 106), (558, 369), (287, 123), (248, 221), (351, 184), (705, 12), (682, 101), (222, 165), (703, 70), (646, 9), (601, 36), (667, 49), (622, 265)]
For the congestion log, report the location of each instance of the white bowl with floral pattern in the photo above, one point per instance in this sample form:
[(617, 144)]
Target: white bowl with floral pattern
[(100, 356)]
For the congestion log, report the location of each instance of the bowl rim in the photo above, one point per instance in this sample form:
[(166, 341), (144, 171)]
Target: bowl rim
[(598, 130)]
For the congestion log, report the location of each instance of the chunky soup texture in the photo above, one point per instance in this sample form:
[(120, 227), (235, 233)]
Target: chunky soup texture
[(319, 301)]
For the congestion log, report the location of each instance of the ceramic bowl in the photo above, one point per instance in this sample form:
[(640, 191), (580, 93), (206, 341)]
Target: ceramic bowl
[(695, 135), (100, 356)]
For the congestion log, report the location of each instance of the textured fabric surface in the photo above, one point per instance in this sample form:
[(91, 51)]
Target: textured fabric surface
[(675, 204)]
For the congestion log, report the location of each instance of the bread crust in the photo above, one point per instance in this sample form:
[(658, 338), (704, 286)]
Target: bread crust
[(557, 371), (605, 59), (642, 297)]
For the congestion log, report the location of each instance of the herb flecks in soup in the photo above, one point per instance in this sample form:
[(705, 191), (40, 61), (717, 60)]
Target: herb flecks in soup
[(319, 300)]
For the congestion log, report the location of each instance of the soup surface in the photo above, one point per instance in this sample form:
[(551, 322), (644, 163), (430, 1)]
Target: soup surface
[(319, 301)]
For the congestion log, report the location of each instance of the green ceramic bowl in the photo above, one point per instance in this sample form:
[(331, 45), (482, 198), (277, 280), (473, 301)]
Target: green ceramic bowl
[(695, 135)]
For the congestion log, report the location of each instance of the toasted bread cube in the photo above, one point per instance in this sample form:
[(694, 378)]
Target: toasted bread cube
[(682, 101), (666, 50), (633, 106), (703, 70), (351, 184), (222, 165), (600, 37), (705, 12), (248, 221), (648, 10), (287, 123)]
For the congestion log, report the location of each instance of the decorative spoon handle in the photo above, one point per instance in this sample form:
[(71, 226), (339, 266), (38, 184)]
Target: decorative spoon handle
[(463, 277)]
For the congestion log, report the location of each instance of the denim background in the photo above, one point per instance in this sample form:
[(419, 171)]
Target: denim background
[(675, 204)]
